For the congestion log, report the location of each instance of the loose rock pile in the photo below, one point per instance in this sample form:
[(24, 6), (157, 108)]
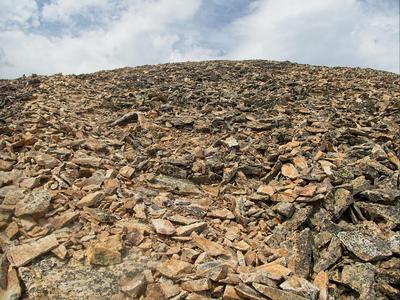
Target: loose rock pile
[(232, 180)]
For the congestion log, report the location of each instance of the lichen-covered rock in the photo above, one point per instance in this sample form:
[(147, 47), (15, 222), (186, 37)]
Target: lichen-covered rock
[(105, 252), (35, 203), (365, 246), (360, 277)]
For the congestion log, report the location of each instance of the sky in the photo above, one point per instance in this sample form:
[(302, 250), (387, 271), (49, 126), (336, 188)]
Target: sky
[(82, 36)]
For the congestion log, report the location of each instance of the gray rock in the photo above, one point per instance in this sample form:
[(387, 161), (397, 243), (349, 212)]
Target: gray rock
[(388, 212), (300, 286), (386, 195), (395, 243), (35, 203), (360, 277), (365, 246), (329, 256), (286, 209), (300, 259), (343, 199), (276, 294), (74, 280)]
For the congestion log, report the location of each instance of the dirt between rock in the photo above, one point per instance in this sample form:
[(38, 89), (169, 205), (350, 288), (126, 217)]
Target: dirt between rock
[(207, 180)]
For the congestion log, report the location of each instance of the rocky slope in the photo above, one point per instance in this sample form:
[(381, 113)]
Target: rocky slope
[(224, 180)]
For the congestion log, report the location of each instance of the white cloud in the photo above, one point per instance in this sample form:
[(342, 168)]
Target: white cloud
[(141, 35), (327, 32), (64, 10), (21, 13), (120, 33)]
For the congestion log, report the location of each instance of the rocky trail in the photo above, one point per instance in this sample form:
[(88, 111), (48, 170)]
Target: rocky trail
[(207, 180)]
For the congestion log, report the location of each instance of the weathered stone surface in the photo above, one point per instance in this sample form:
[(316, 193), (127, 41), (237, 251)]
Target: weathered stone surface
[(222, 213), (45, 160), (286, 209), (134, 287), (290, 171), (91, 199), (188, 229), (35, 203), (365, 246), (274, 271), (196, 285), (65, 218), (210, 247), (4, 264), (25, 253), (276, 294), (13, 290), (163, 226), (127, 171), (214, 270), (105, 252), (321, 281), (174, 268), (360, 277), (71, 279), (329, 256), (300, 259), (301, 286), (247, 292), (230, 293), (343, 199), (5, 165)]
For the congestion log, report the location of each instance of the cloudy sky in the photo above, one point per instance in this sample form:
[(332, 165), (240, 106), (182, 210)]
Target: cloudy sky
[(80, 36)]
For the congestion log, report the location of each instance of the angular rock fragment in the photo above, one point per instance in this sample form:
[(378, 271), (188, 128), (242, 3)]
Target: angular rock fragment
[(5, 165), (286, 209), (274, 271), (222, 213), (35, 203), (365, 246), (300, 259), (25, 253), (105, 252), (91, 199), (343, 199), (188, 229), (276, 294), (127, 171), (13, 289), (163, 226), (247, 292), (329, 256), (360, 277), (134, 287), (45, 160), (131, 117), (289, 171), (300, 286), (4, 264), (321, 281), (196, 285), (210, 247), (64, 219), (174, 268), (388, 212), (214, 270), (230, 293)]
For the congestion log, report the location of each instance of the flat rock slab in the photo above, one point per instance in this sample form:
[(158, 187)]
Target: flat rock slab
[(54, 279), (23, 254), (365, 246), (37, 202)]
